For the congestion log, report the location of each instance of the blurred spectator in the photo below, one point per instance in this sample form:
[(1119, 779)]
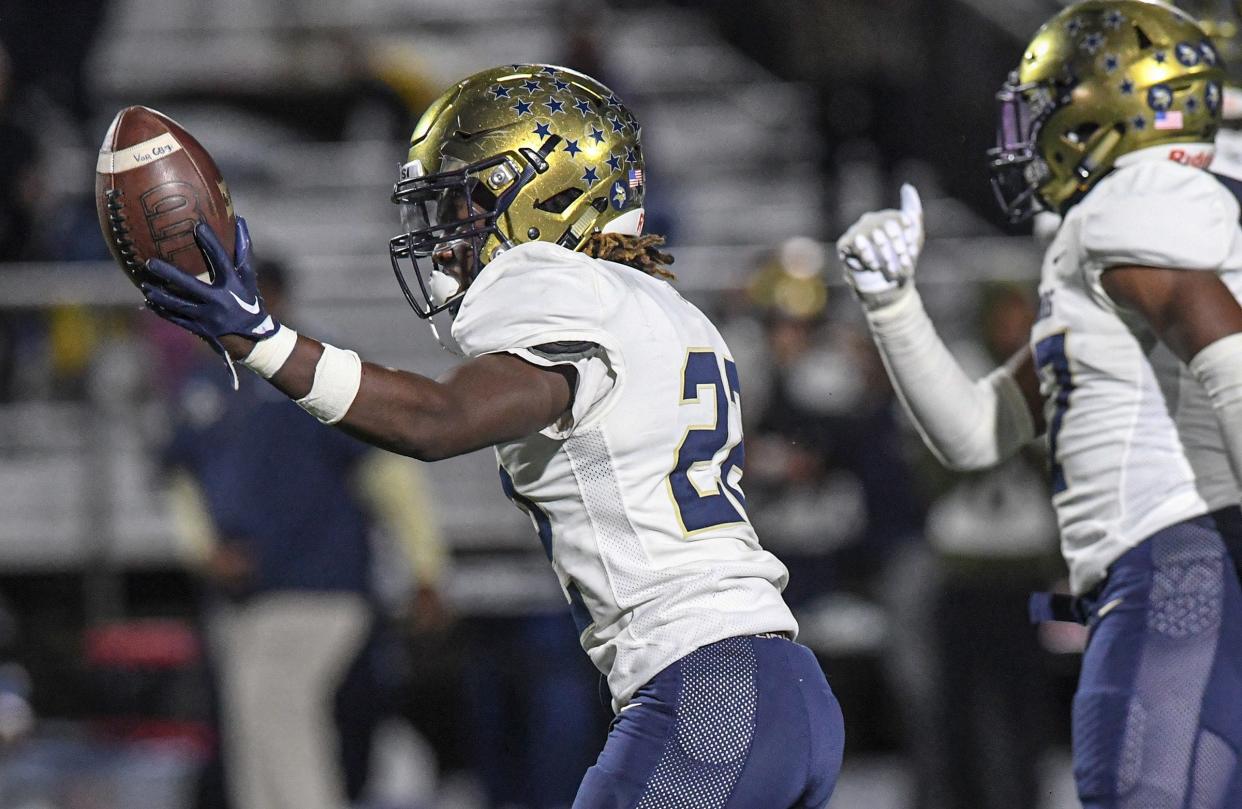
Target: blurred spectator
[(824, 437), (965, 658), (277, 512)]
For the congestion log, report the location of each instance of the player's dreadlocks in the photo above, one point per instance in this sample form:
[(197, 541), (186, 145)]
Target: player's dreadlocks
[(639, 252)]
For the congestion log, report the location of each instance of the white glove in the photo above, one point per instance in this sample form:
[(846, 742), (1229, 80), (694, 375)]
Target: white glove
[(880, 250)]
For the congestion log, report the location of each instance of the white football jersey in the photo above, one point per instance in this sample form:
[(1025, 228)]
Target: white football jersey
[(636, 492), (1133, 440)]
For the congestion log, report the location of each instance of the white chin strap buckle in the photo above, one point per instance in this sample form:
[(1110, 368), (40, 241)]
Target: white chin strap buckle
[(629, 223), (441, 286)]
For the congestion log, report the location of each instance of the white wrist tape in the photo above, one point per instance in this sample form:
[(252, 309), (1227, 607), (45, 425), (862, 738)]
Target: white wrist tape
[(267, 356), (338, 375), (967, 425), (1219, 369)]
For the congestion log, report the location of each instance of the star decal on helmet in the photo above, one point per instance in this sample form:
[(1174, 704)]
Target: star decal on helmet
[(1211, 97), (583, 106), (1207, 52), (597, 134), (1187, 54), (1114, 19), (1127, 87), (548, 69), (1092, 42), (554, 106), (560, 84), (1160, 57), (614, 162), (1139, 122), (589, 175), (1073, 26), (1160, 97), (542, 129), (572, 147), (632, 155), (1111, 62), (1192, 104), (617, 126), (522, 107), (500, 91), (531, 86)]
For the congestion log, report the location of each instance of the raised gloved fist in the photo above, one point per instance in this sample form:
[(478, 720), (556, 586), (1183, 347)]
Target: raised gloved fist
[(879, 252), (229, 304)]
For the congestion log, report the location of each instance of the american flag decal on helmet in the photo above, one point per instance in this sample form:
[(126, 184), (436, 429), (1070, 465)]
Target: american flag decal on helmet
[(635, 178)]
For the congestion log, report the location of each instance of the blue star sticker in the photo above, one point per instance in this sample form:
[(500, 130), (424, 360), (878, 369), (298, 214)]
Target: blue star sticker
[(1111, 63), (560, 84), (1127, 87), (613, 101), (515, 67), (500, 92), (531, 85), (1073, 26), (571, 146), (1092, 42), (614, 162), (1192, 104), (1160, 57), (583, 106), (1140, 123), (542, 130), (589, 175), (551, 71), (554, 106), (1208, 53), (1212, 96), (617, 126), (597, 135), (522, 107), (1113, 19), (631, 156)]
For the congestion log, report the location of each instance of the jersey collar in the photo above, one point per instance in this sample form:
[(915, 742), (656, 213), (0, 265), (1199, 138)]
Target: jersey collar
[(1198, 155)]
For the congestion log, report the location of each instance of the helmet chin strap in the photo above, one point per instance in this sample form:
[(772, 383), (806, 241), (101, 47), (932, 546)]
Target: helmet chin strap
[(441, 286), (629, 223)]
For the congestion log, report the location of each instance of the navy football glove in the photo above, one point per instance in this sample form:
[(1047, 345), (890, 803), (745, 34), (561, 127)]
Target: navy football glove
[(230, 304)]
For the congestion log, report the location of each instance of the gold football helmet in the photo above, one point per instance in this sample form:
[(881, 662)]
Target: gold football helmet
[(1222, 21), (513, 154), (1100, 79)]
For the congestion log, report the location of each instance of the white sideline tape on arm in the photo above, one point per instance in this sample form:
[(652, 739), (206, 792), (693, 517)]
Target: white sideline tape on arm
[(267, 356), (1218, 367), (967, 424), (138, 155), (338, 375)]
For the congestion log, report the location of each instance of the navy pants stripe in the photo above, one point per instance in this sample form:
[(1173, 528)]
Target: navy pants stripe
[(1158, 714), (745, 723)]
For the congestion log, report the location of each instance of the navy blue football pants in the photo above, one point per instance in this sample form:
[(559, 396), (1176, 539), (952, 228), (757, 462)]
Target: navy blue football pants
[(745, 723), (1158, 713)]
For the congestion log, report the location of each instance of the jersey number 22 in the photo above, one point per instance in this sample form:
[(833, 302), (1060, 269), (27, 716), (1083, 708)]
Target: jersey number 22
[(705, 506)]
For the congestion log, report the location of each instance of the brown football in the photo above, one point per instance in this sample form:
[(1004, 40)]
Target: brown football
[(153, 183)]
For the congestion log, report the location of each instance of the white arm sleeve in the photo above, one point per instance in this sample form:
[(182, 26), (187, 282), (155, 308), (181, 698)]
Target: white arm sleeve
[(1219, 369), (967, 425)]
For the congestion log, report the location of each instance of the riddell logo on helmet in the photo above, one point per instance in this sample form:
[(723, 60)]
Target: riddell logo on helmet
[(1199, 160)]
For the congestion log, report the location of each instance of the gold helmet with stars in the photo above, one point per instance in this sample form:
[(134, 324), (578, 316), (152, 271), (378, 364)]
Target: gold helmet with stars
[(1222, 21), (514, 154), (1099, 80)]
